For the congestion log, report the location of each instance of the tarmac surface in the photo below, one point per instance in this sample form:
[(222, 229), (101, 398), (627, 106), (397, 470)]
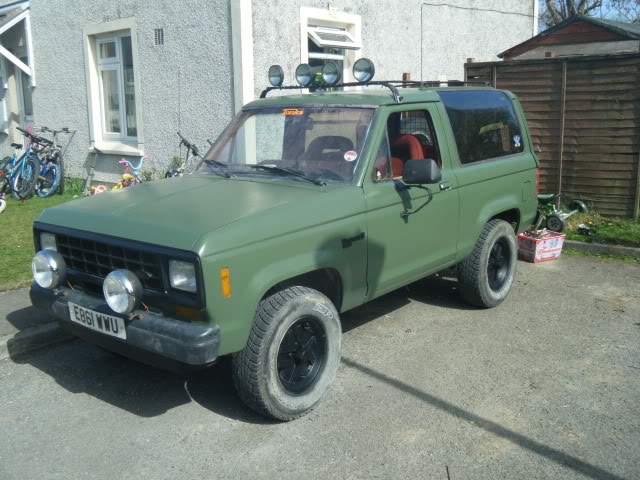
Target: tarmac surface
[(547, 385)]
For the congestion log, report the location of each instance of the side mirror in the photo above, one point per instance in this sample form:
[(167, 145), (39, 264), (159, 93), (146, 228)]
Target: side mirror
[(421, 172)]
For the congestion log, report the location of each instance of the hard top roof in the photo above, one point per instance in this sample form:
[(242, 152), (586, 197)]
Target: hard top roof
[(372, 95)]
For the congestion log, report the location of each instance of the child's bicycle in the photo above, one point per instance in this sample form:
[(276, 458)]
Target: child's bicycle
[(131, 174), (192, 152), (554, 218)]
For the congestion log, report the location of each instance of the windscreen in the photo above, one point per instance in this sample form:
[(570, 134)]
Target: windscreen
[(322, 143)]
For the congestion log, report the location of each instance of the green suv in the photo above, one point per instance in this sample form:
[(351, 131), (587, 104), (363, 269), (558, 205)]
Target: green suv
[(307, 205)]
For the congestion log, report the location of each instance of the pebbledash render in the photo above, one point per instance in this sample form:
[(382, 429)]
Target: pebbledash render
[(191, 65)]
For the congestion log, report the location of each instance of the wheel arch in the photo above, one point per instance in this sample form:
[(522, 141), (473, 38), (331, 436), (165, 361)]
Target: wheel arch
[(327, 281)]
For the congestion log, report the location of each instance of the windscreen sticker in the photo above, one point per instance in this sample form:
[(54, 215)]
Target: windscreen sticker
[(292, 111), (350, 156)]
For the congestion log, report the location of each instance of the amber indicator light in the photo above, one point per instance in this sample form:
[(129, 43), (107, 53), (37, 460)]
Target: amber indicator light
[(225, 282)]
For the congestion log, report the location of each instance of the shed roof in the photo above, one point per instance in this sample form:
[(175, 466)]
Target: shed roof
[(628, 30)]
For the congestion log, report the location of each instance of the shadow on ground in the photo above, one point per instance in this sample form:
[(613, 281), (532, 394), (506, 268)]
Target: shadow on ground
[(147, 392)]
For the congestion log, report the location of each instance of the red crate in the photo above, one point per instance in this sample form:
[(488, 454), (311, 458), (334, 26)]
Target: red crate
[(543, 249)]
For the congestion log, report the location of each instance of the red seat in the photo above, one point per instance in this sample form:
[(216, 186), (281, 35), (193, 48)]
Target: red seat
[(405, 147)]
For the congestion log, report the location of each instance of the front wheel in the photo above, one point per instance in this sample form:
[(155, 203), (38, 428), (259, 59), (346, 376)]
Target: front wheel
[(24, 181), (486, 276), (292, 354), (555, 223)]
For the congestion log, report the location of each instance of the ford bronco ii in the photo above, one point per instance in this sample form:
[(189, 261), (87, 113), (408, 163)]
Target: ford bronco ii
[(306, 206)]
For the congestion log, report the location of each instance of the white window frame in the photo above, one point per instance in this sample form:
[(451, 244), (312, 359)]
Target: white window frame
[(94, 35), (313, 20), (315, 32)]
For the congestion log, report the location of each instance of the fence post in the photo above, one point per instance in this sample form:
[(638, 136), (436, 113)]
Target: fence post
[(563, 95), (636, 205)]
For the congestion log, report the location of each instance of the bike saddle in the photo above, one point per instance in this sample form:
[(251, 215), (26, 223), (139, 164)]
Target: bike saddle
[(17, 145), (548, 197)]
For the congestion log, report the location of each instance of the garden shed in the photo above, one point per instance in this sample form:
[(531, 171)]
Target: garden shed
[(584, 115)]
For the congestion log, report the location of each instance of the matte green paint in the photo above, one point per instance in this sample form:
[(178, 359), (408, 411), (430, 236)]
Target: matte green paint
[(269, 230)]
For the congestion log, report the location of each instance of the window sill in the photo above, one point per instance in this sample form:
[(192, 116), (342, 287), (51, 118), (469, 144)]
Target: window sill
[(118, 148)]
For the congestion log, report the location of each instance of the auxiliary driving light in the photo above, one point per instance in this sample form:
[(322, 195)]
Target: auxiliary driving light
[(330, 73), (122, 291), (49, 269), (363, 70), (276, 75), (304, 75)]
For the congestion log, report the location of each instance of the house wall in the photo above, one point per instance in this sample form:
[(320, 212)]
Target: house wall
[(185, 84), (391, 34)]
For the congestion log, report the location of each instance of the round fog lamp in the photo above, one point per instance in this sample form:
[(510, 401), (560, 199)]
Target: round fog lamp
[(122, 291), (276, 75), (304, 76), (363, 70), (330, 73), (49, 269)]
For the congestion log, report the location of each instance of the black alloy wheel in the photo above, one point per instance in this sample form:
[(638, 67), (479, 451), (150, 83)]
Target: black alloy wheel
[(498, 265), (301, 354)]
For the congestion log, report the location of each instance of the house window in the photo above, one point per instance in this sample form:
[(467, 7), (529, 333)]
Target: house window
[(117, 87), (330, 37)]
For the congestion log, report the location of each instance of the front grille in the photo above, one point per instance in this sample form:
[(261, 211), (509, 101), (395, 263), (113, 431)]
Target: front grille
[(100, 258)]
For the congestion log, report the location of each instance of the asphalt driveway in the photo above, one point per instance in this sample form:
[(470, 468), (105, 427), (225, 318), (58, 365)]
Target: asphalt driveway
[(545, 386)]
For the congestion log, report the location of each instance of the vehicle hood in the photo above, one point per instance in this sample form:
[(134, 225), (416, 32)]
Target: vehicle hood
[(175, 212)]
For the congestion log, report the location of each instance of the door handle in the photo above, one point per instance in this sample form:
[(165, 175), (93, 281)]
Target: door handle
[(445, 186)]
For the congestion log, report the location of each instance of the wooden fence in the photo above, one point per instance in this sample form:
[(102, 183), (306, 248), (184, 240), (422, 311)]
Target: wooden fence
[(584, 118)]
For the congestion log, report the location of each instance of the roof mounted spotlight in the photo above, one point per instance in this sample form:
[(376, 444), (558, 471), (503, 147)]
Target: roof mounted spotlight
[(363, 70), (304, 75), (330, 73), (276, 75)]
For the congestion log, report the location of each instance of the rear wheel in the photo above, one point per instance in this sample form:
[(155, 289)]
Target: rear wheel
[(292, 354), (579, 206), (486, 276), (48, 180), (24, 181)]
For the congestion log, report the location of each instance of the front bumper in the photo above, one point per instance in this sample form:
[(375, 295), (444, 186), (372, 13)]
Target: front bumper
[(154, 339)]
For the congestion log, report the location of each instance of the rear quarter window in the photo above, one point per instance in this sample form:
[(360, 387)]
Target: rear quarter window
[(484, 124)]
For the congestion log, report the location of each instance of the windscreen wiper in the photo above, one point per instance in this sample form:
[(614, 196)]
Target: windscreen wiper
[(220, 165), (287, 171)]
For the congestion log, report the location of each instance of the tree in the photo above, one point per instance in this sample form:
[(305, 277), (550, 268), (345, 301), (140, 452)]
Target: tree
[(555, 11), (627, 10)]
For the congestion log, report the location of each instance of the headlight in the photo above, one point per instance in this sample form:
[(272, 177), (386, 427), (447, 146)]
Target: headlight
[(122, 291), (49, 269), (182, 275), (48, 241)]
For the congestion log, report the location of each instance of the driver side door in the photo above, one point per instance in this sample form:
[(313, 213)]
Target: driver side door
[(404, 248)]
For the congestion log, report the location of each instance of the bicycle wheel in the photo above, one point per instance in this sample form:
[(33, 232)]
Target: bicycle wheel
[(24, 181), (48, 180), (60, 162)]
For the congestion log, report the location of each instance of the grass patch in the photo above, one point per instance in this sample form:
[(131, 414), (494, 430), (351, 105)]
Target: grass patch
[(601, 256), (16, 225), (610, 231)]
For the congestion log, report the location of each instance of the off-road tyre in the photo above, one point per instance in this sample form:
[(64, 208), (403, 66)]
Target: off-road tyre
[(474, 275), (255, 369), (579, 206)]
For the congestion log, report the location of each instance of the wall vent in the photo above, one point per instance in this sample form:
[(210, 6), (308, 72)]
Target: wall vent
[(158, 35)]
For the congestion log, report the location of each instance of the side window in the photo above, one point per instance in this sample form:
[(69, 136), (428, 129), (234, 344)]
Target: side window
[(382, 165), (484, 124), (412, 136)]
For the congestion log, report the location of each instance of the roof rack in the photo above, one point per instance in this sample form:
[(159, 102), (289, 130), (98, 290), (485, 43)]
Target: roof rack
[(390, 84)]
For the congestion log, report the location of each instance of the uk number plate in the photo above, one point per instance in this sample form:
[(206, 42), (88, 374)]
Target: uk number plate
[(107, 324)]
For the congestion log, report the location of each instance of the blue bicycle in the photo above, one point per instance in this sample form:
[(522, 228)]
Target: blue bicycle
[(20, 171)]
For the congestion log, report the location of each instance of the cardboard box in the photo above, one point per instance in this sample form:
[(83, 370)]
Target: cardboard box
[(543, 249)]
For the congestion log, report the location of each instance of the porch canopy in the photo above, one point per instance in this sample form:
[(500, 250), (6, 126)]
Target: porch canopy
[(8, 19)]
